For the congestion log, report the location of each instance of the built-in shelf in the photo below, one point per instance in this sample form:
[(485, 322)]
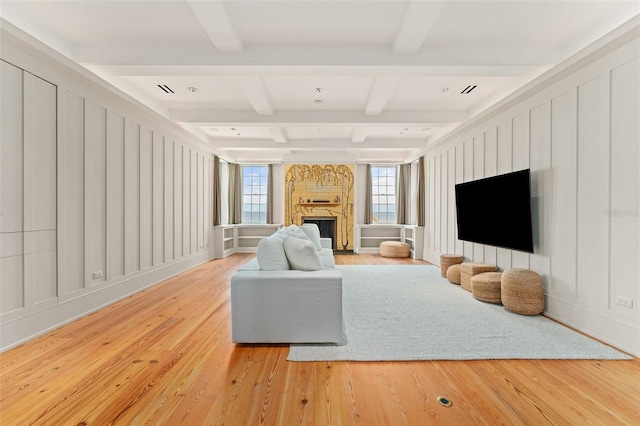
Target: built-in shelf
[(369, 237), (241, 238)]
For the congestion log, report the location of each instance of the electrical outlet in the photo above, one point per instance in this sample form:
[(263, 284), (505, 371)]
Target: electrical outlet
[(624, 301), (97, 274)]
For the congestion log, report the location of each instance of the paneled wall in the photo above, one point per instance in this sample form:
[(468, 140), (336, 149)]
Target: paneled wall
[(101, 197), (27, 193), (132, 197), (580, 138)]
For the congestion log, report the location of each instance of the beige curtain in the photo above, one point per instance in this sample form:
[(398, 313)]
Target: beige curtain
[(235, 193), (270, 193), (217, 195), (404, 199), (368, 214), (421, 192)]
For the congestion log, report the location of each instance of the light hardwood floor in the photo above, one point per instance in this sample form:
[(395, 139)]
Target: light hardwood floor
[(164, 357)]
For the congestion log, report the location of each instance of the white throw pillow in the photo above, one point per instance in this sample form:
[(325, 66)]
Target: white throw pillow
[(271, 256), (313, 233), (302, 254), (289, 231)]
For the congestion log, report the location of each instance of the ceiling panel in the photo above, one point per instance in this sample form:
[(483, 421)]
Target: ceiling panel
[(294, 93), (316, 23), (311, 132)]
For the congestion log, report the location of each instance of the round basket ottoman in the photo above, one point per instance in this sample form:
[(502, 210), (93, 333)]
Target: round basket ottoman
[(486, 287), (453, 274), (522, 291), (394, 249), (469, 269), (447, 260)]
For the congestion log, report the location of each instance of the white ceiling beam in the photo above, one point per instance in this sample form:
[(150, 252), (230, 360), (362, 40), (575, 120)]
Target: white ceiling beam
[(214, 20), (278, 134), (383, 89), (314, 70), (256, 92), (343, 118), (317, 144), (206, 54), (359, 134), (419, 17)]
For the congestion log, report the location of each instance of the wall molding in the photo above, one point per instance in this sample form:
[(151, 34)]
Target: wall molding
[(18, 331)]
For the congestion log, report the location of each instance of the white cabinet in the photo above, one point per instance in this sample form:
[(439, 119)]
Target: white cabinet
[(369, 237), (241, 238)]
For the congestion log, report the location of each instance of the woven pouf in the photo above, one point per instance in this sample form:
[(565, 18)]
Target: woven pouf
[(469, 269), (447, 260), (522, 291), (394, 249), (453, 274), (486, 287)]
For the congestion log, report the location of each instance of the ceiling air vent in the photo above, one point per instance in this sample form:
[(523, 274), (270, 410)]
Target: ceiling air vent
[(468, 90), (165, 88)]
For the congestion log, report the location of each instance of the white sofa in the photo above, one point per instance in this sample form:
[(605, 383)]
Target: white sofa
[(287, 305)]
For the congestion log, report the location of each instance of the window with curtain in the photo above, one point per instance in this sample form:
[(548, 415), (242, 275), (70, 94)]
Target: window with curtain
[(384, 193), (254, 194)]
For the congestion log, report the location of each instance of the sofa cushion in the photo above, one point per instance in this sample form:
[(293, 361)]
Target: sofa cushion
[(312, 231), (271, 255), (290, 231), (301, 254), (327, 259)]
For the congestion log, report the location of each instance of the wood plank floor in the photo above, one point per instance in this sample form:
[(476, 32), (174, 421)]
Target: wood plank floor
[(164, 357)]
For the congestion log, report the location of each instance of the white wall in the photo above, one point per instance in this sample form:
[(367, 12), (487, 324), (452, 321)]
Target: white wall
[(133, 197), (579, 133)]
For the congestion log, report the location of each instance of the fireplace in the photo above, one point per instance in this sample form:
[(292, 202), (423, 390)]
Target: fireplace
[(327, 226)]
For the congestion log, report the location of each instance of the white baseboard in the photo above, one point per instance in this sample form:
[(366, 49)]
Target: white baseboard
[(21, 330), (614, 332)]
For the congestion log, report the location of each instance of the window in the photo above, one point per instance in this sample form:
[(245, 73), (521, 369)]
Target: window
[(254, 194), (383, 194)]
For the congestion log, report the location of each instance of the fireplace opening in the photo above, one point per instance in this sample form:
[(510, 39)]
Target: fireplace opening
[(327, 226)]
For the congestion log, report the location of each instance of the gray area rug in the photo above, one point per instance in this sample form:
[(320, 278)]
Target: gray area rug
[(409, 312)]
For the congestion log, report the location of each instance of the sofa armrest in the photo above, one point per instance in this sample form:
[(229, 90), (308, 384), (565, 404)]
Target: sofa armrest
[(286, 306), (326, 243)]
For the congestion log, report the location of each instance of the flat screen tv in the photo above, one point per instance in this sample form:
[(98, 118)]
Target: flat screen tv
[(496, 211)]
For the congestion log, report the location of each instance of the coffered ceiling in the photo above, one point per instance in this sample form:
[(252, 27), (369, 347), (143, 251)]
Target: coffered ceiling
[(317, 80)]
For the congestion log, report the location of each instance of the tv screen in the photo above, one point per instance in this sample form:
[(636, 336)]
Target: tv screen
[(496, 211)]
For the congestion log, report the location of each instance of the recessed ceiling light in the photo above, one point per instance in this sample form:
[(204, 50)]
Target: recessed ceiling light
[(445, 90), (318, 102), (406, 128), (192, 89), (239, 134), (233, 128), (318, 89)]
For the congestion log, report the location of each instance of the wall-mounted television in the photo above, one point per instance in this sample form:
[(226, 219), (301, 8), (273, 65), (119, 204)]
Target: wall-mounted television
[(496, 211)]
